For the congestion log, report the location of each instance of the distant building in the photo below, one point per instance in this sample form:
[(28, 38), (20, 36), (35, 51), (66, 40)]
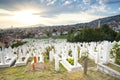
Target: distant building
[(58, 33), (115, 26), (54, 34), (65, 32)]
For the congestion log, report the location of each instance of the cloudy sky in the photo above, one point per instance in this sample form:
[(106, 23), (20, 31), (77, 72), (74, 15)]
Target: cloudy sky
[(20, 13)]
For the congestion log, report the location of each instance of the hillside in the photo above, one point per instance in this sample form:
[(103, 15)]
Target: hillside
[(106, 20), (113, 22)]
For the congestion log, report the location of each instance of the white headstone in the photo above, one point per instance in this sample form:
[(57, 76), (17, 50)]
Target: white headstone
[(106, 52), (97, 60), (50, 56), (41, 58), (75, 57), (2, 58), (56, 62)]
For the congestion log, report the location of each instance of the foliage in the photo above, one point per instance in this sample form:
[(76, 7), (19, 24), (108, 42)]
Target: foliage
[(90, 34), (70, 53), (117, 36), (19, 43), (28, 35), (48, 49), (110, 34), (59, 37), (71, 61), (0, 47), (115, 52), (48, 33), (71, 36)]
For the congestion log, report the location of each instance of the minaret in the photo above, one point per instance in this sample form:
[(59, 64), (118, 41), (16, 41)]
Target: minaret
[(99, 23)]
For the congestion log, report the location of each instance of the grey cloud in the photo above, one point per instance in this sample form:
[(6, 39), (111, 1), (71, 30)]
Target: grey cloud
[(12, 4), (112, 2), (109, 2), (54, 9)]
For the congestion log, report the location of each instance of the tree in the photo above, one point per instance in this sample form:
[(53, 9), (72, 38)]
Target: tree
[(89, 34), (70, 36), (54, 30), (48, 33), (117, 38), (108, 32)]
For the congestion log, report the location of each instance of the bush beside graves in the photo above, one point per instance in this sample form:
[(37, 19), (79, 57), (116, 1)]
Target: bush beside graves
[(71, 61), (115, 52), (18, 44)]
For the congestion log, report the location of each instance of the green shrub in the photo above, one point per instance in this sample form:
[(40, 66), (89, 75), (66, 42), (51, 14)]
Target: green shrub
[(115, 52), (71, 61), (18, 44), (117, 36)]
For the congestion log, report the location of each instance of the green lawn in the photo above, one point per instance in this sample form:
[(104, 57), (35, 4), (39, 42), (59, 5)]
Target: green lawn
[(49, 73)]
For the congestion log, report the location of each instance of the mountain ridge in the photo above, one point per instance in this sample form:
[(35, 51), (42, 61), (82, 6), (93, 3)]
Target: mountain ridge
[(105, 20)]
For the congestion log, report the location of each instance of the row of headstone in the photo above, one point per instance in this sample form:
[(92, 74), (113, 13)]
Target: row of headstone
[(99, 51)]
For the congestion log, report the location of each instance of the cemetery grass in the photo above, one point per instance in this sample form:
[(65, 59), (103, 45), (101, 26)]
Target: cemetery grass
[(91, 62), (49, 73)]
